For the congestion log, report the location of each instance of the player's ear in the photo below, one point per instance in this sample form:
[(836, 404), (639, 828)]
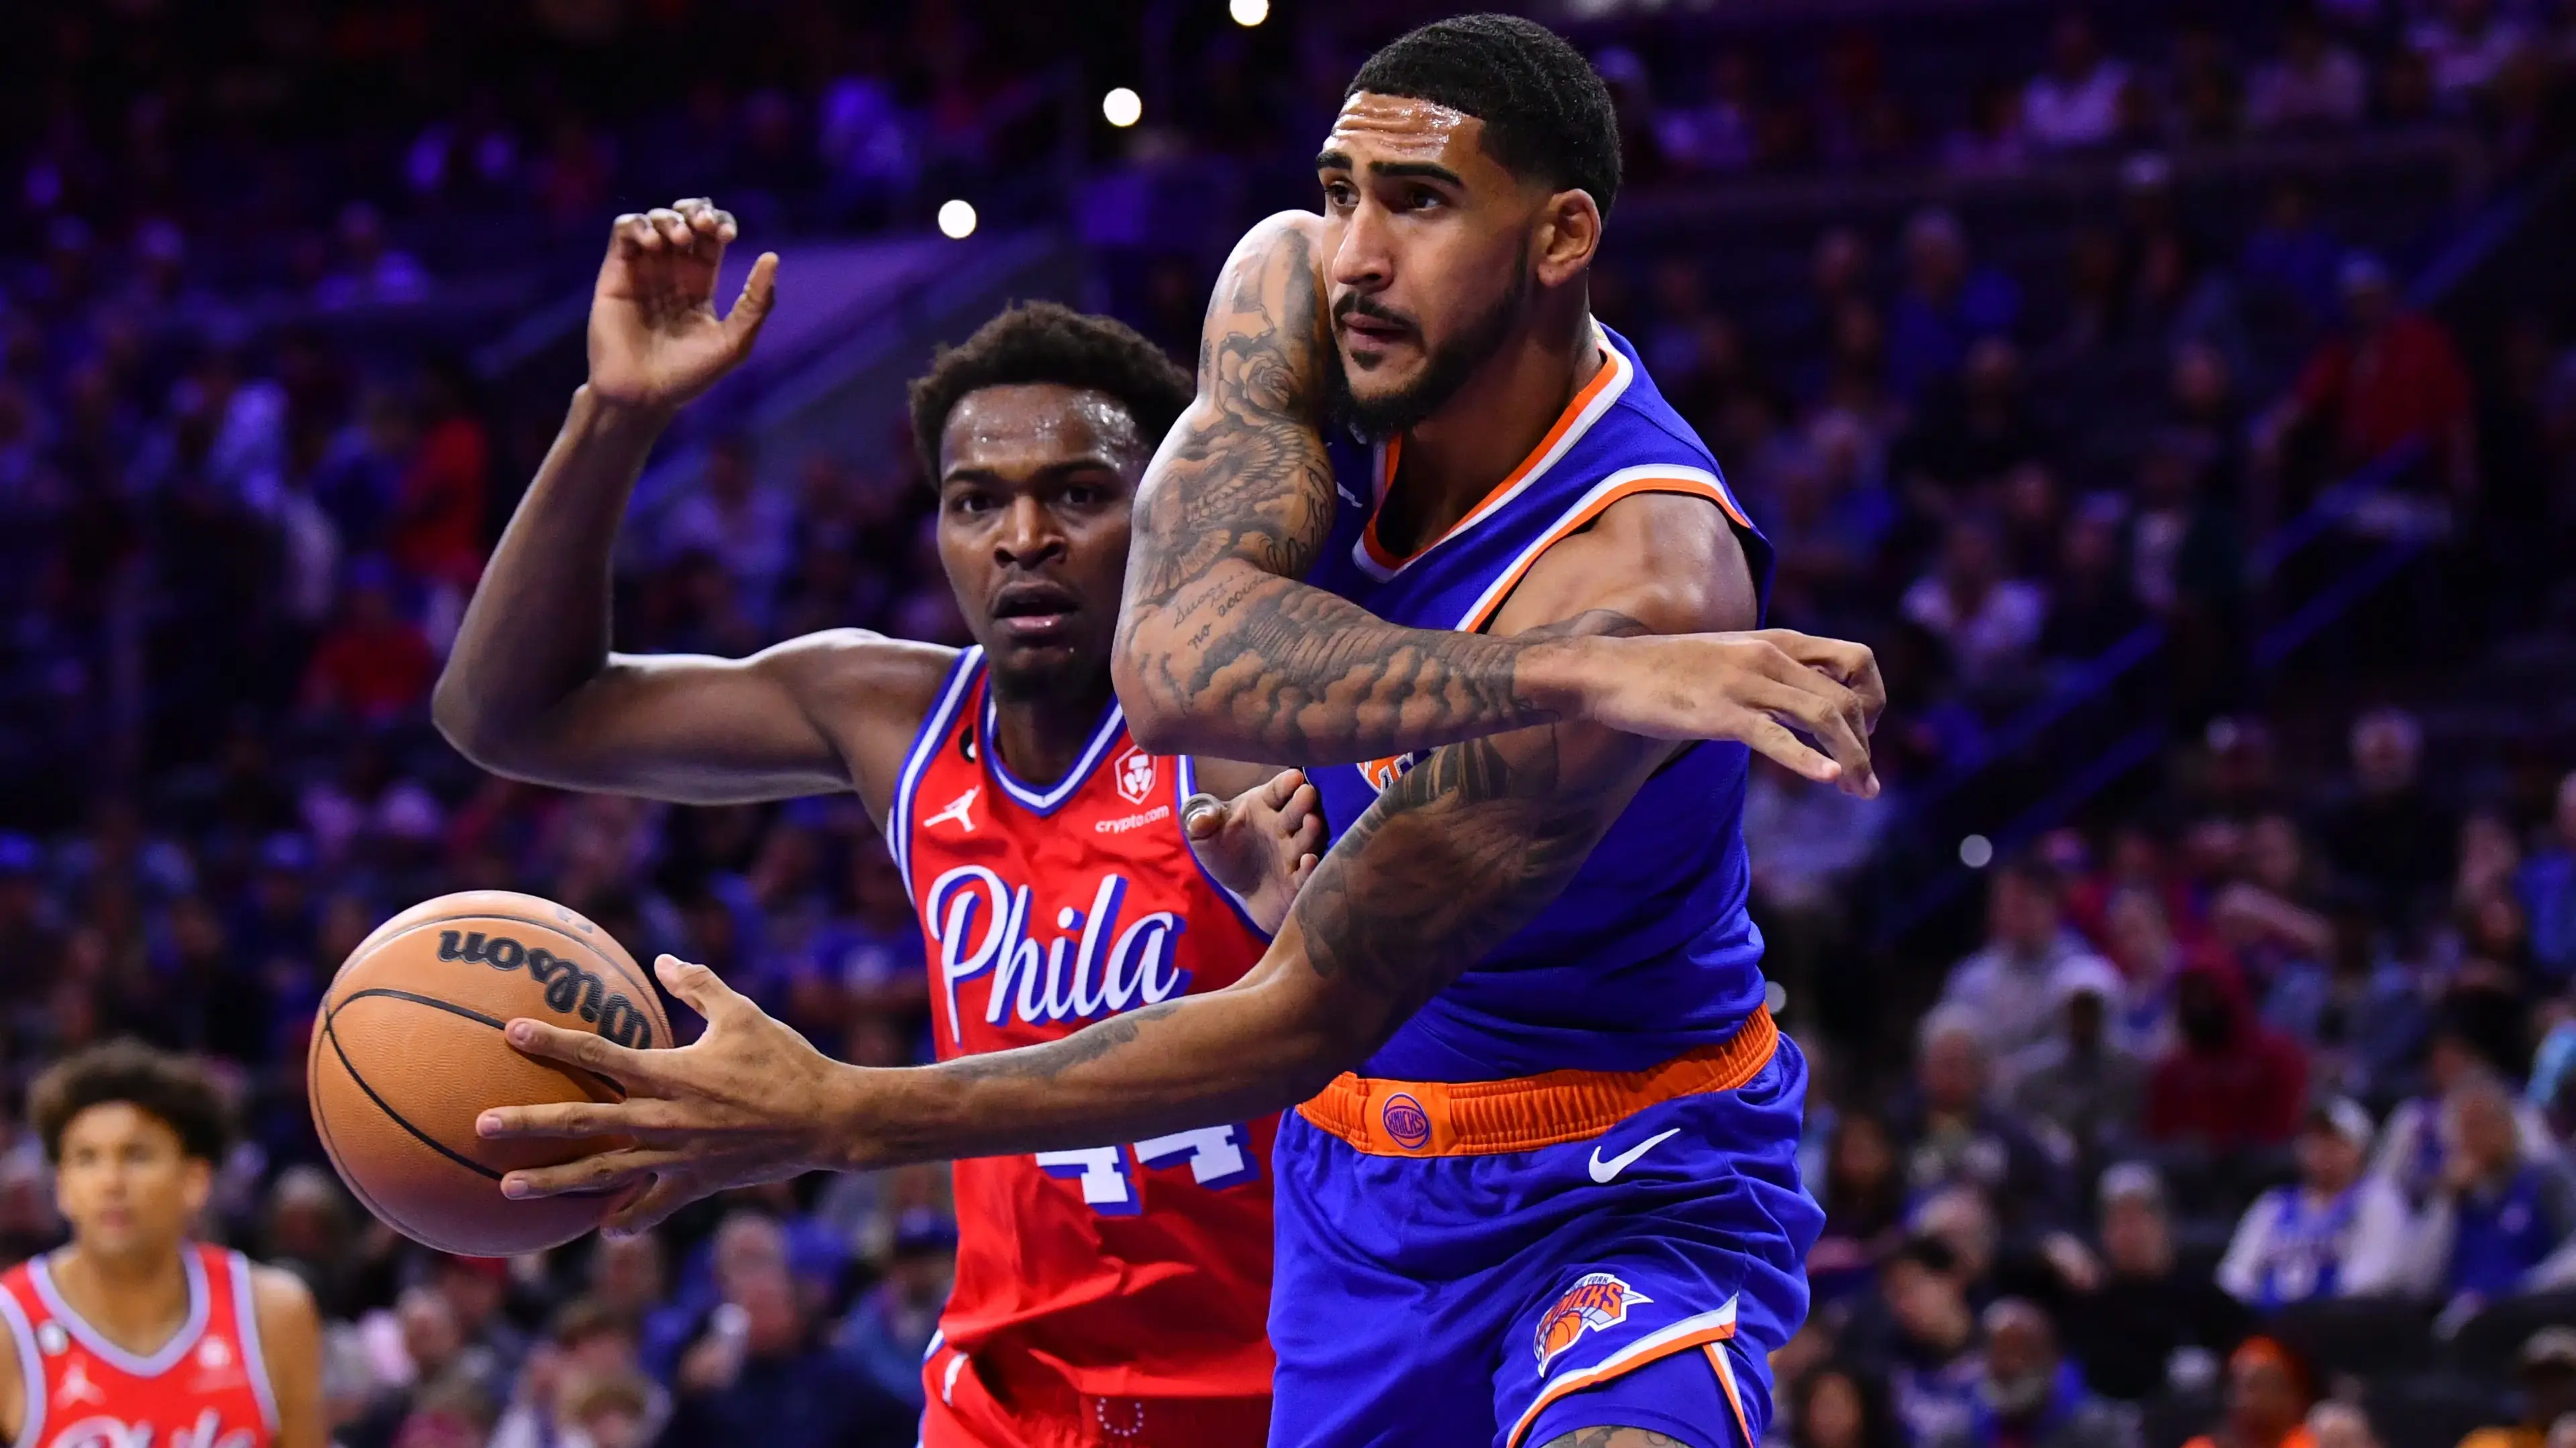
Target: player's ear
[(1569, 234), (197, 1186)]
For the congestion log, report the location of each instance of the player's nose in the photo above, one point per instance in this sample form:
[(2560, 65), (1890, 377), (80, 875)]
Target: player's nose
[(1362, 259), (1028, 533)]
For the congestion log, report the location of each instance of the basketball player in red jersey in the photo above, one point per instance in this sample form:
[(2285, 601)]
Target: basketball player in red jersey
[(1112, 1295), (133, 1334)]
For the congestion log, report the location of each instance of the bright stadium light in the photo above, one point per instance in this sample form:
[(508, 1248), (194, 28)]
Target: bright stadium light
[(1248, 13), (1976, 852), (956, 220), (1122, 107)]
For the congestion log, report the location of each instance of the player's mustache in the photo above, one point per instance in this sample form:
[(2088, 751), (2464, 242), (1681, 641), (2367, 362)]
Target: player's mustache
[(1359, 304)]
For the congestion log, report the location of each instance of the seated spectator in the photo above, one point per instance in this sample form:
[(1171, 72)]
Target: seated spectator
[(609, 1410), (1721, 132), (2296, 1242), (761, 1374), (2392, 376), (1930, 1358), (2475, 1033), (2147, 1320), (2091, 604), (373, 664), (2076, 102), (2465, 46), (733, 519), (2546, 885), (418, 1347), (1946, 305), (2029, 1396), (2315, 83), (588, 1344), (2338, 1424), (1863, 1193), (2228, 1080), (1991, 622), (1975, 431), (2293, 257), (888, 1333), (2267, 914), (2268, 1397), (2501, 1221), (2082, 1082), (1954, 1135), (1837, 1404), (2546, 1367), (2003, 988)]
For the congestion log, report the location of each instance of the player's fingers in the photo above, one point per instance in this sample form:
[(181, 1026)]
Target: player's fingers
[(1305, 869), (578, 1048), (607, 1172), (673, 226), (1202, 815), (701, 989), (1772, 739), (649, 1208), (1852, 665), (569, 1119), (625, 235), (1282, 787), (1309, 834), (751, 309), (1831, 716)]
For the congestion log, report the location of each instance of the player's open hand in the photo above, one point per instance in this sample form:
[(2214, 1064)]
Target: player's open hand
[(747, 1102), (655, 338), (1261, 844), (1764, 688)]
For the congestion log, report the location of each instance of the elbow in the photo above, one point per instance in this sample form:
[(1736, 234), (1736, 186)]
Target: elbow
[(1153, 718), (467, 724)]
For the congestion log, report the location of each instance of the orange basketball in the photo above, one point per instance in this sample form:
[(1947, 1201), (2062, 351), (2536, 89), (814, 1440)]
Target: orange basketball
[(407, 1051)]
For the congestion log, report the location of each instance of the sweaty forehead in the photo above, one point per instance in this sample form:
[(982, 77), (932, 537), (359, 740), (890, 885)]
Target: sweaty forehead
[(1374, 127), (1026, 428)]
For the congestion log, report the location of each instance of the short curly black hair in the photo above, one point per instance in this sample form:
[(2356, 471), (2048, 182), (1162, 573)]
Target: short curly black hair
[(1047, 342), (175, 1090), (1547, 114)]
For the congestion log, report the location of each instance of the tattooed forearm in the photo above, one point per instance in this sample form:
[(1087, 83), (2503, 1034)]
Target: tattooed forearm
[(1221, 648)]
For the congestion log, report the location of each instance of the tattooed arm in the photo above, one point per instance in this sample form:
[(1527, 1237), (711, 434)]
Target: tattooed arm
[(1221, 647), (1455, 856)]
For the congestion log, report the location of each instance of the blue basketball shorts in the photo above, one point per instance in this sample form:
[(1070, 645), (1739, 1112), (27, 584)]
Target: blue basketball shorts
[(1497, 1264)]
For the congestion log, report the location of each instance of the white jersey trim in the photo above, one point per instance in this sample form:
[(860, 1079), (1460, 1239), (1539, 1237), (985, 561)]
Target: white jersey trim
[(246, 1324), (1683, 478), (934, 728), (1046, 801), (162, 1359)]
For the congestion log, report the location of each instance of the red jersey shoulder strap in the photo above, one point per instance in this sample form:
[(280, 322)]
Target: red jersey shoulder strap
[(963, 675), (241, 1304), (18, 1306)]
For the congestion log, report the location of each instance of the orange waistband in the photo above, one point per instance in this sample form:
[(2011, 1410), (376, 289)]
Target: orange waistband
[(1478, 1118)]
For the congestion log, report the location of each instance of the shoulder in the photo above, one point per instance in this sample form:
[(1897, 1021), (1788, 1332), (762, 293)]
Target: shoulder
[(854, 660), (1671, 561), (282, 1304)]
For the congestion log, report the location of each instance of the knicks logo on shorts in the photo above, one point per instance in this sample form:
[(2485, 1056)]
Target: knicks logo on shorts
[(1406, 1121), (1382, 772), (1597, 1302)]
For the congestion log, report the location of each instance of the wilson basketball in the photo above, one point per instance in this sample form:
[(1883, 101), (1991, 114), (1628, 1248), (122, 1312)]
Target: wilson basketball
[(407, 1050)]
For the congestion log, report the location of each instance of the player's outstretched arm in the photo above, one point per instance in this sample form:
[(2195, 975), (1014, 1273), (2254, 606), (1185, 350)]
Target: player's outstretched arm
[(1456, 855), (1222, 648), (532, 690)]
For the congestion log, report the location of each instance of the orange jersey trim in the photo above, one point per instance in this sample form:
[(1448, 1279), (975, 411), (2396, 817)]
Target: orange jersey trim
[(1582, 517), (1612, 368), (1622, 1364), (1480, 1118)]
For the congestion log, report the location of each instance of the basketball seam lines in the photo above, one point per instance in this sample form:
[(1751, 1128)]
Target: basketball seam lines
[(396, 1117), (453, 1008), (552, 928)]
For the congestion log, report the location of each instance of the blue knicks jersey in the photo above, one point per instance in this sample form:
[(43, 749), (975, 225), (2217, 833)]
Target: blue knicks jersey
[(1649, 952)]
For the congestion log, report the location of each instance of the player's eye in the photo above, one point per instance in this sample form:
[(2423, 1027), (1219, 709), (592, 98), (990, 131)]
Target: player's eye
[(1423, 198), (970, 504), (1341, 195), (1085, 495)]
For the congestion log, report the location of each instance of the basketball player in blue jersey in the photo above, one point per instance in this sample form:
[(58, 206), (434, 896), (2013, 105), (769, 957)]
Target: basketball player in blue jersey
[(1429, 528)]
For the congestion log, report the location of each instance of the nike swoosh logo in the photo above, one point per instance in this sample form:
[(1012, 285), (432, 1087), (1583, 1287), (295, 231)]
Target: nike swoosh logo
[(1603, 1171)]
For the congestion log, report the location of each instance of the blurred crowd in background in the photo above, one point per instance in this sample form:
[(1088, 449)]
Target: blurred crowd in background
[(2247, 1083)]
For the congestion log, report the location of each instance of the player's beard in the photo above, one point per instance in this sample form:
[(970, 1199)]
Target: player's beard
[(1447, 370)]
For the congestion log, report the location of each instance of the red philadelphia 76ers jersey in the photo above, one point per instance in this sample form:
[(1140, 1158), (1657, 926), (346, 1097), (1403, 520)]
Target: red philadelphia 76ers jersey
[(207, 1387), (1136, 1270)]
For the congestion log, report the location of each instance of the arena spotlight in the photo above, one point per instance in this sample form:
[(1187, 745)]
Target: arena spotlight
[(1248, 13), (1122, 107), (1976, 852), (956, 220)]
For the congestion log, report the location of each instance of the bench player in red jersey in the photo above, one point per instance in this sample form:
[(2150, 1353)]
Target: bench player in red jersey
[(134, 1334), (1111, 1295)]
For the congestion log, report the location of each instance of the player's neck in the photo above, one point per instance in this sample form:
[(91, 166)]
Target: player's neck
[(1453, 459), (136, 1301), (1041, 737)]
